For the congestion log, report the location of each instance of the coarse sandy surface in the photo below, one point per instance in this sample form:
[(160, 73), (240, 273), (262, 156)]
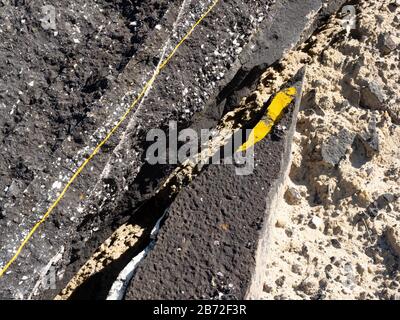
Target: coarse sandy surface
[(336, 234)]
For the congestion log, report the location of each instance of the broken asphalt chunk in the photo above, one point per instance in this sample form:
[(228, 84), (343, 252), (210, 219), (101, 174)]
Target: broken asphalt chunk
[(372, 96), (387, 43), (335, 148)]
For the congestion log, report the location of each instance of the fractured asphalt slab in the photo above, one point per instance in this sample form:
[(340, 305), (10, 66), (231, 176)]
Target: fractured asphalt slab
[(208, 244), (108, 193)]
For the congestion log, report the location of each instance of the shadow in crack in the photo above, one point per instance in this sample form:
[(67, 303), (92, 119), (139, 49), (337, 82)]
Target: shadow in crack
[(97, 286)]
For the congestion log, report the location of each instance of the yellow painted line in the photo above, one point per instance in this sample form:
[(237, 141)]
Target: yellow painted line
[(274, 112), (104, 141)]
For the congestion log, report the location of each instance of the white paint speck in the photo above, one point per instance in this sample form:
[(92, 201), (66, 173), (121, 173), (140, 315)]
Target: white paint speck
[(57, 185)]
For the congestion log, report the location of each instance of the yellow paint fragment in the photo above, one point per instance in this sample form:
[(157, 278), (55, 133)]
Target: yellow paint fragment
[(274, 112)]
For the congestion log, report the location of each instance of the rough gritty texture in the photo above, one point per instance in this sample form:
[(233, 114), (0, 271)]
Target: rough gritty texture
[(87, 289), (117, 181), (112, 249), (336, 234), (206, 249), (288, 39)]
